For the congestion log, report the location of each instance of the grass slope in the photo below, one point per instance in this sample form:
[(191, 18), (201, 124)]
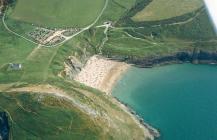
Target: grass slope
[(122, 45), (56, 13), (165, 9), (161, 41), (161, 38), (12, 50), (41, 117), (116, 9)]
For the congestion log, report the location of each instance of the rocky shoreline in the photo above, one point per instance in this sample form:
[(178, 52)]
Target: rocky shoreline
[(195, 56), (154, 132), (4, 126)]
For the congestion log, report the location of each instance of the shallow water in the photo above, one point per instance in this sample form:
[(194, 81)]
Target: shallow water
[(179, 100)]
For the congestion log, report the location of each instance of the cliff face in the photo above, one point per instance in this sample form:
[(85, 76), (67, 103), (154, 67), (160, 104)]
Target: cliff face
[(195, 56)]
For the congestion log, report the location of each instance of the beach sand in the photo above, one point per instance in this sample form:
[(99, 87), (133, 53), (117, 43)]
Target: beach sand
[(101, 73)]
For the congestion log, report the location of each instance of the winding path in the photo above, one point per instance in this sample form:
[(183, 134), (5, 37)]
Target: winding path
[(8, 29)]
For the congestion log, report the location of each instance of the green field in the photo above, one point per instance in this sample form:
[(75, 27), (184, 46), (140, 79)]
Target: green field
[(116, 9), (56, 13), (12, 50), (165, 9), (125, 46)]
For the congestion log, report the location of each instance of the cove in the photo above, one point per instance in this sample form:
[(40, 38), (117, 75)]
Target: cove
[(179, 100)]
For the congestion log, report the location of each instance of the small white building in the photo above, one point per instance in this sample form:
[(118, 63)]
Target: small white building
[(14, 66)]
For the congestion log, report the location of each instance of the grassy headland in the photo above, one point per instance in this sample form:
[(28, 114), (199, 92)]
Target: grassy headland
[(177, 37)]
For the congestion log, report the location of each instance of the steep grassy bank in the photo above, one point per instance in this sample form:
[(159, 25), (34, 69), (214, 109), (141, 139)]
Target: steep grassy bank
[(35, 116)]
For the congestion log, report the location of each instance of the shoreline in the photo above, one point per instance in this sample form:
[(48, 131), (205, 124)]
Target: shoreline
[(101, 73), (195, 56), (113, 76), (107, 71), (139, 120)]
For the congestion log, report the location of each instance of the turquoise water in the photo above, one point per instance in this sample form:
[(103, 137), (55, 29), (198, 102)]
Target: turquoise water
[(179, 100)]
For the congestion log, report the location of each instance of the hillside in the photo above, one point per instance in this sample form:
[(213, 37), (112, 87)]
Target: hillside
[(188, 37), (45, 44)]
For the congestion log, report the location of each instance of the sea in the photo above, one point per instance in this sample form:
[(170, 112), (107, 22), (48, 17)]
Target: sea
[(179, 100)]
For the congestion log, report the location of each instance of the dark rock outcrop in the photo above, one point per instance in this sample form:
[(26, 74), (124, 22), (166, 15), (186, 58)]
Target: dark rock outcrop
[(196, 56), (4, 126)]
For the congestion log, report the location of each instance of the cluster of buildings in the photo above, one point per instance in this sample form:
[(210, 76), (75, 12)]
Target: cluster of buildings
[(40, 34), (51, 36)]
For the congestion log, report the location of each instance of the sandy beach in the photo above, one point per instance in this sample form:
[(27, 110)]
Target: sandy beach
[(101, 73)]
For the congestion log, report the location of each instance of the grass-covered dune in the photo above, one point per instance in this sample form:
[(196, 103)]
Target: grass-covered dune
[(56, 13)]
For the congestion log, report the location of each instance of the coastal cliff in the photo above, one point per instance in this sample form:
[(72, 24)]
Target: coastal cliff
[(195, 56)]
